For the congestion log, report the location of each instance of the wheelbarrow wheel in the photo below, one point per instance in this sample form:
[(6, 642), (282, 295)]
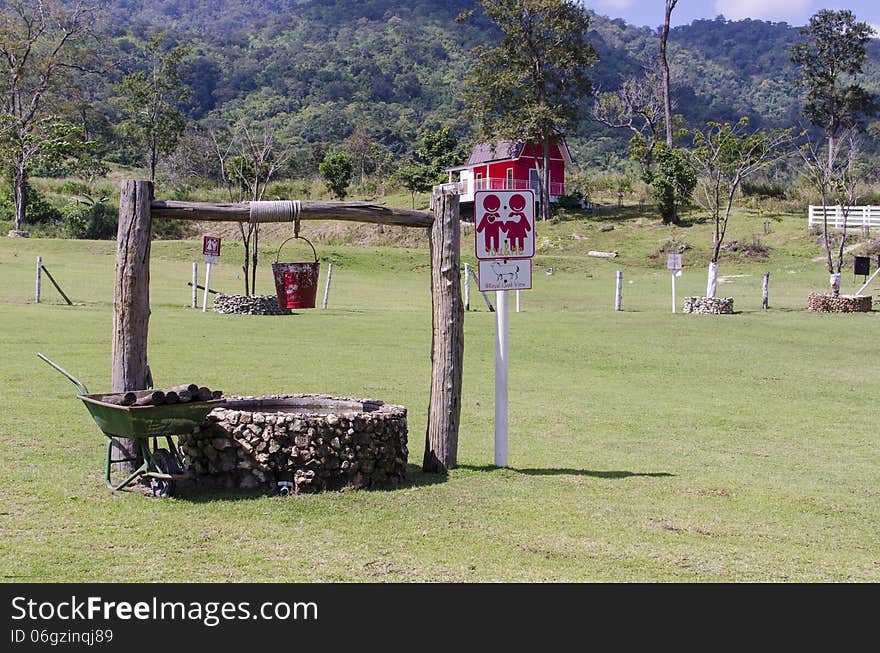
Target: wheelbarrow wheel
[(166, 464)]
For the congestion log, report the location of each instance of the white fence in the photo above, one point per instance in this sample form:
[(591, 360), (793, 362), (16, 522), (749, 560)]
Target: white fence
[(856, 216)]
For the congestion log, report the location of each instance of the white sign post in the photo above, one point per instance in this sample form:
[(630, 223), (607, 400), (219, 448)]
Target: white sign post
[(673, 264), (211, 250), (504, 240)]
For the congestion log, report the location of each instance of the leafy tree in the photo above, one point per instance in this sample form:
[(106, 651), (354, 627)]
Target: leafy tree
[(529, 86), (439, 151), (336, 169), (830, 58), (151, 99), (726, 154), (38, 42), (673, 180), (416, 178)]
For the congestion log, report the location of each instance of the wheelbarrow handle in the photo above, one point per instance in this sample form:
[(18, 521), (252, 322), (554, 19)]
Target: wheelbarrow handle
[(83, 390)]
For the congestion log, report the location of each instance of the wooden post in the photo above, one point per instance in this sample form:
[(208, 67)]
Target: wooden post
[(467, 287), (131, 305), (39, 278), (447, 343), (765, 288), (195, 285), (517, 300), (618, 297), (327, 287)]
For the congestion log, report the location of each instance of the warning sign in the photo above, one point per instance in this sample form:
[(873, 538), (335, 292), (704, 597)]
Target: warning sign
[(211, 249), (504, 223)]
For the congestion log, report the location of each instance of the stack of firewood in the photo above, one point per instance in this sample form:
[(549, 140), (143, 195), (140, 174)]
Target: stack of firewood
[(179, 394)]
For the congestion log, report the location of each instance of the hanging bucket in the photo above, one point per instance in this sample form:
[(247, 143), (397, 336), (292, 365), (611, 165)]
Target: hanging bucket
[(296, 284)]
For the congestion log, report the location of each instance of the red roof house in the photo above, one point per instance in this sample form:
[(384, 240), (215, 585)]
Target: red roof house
[(508, 165)]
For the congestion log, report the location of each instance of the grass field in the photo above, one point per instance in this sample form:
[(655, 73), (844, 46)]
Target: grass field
[(644, 446)]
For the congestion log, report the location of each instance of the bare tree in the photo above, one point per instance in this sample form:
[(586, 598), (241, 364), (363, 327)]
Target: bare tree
[(637, 106), (664, 64), (832, 171), (249, 157), (36, 39), (726, 154)]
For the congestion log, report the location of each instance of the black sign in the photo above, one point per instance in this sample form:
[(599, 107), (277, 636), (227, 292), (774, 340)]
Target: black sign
[(862, 266)]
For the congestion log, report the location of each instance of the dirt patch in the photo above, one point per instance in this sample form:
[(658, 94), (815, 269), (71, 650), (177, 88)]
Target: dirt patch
[(754, 251)]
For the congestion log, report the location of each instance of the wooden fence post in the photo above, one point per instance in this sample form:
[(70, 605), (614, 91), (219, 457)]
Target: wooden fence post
[(39, 286), (195, 285), (131, 305), (618, 295), (447, 342)]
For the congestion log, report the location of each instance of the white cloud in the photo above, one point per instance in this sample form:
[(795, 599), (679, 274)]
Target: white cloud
[(792, 11), (615, 5)]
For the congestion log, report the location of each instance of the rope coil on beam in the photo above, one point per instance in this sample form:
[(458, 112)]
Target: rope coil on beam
[(275, 211)]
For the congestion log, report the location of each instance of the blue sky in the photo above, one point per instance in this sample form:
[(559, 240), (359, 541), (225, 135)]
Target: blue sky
[(794, 12)]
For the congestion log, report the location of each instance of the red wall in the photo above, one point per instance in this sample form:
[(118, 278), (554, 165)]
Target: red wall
[(522, 166)]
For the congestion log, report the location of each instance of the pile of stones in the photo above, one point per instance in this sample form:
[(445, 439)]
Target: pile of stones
[(708, 305), (281, 440), (244, 305), (828, 303)]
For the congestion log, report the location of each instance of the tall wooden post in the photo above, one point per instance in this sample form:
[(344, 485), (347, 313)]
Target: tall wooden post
[(447, 343), (131, 305)]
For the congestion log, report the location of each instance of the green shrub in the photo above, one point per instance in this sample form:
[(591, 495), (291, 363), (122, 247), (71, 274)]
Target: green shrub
[(37, 211), (759, 188), (573, 200), (95, 221)]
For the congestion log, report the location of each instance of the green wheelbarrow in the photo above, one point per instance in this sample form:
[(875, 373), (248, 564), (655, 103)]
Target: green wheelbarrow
[(144, 423)]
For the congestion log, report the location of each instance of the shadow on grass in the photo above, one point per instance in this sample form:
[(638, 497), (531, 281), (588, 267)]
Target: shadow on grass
[(552, 471), (196, 493)]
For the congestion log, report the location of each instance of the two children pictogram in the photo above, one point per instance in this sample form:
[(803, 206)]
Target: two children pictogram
[(505, 236)]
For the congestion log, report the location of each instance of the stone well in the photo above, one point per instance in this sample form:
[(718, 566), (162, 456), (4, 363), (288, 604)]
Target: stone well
[(306, 443), (708, 305), (828, 303), (248, 305)]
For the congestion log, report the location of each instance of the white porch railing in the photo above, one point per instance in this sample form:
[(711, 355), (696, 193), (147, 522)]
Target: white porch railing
[(856, 216), (494, 183)]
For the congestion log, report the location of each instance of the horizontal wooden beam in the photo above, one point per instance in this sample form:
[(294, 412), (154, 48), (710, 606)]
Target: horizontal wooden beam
[(348, 211)]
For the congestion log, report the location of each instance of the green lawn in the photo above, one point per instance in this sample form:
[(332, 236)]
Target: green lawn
[(644, 446)]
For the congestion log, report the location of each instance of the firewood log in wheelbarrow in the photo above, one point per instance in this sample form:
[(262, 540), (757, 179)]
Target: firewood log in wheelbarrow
[(141, 422)]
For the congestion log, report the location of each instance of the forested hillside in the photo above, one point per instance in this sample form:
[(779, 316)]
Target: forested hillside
[(381, 72)]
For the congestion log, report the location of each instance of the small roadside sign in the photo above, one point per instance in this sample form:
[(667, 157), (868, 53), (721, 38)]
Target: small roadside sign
[(673, 262), (513, 274), (211, 249)]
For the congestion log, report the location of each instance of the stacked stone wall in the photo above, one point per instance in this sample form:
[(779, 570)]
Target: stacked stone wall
[(257, 442), (708, 305)]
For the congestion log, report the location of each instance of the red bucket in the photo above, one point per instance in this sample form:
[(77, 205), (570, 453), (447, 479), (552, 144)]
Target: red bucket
[(296, 284)]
